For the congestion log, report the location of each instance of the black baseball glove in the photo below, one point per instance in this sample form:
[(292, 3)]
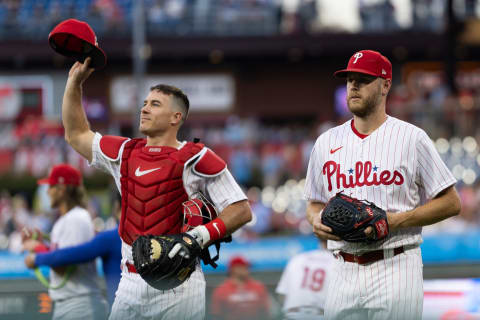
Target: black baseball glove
[(349, 217), (161, 268)]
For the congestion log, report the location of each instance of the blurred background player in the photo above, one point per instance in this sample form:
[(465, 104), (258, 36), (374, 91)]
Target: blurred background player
[(75, 291), (240, 296), (302, 288), (105, 244), (155, 176)]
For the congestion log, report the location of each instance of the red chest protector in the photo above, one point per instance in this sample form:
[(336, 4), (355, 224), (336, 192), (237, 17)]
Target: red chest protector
[(152, 188)]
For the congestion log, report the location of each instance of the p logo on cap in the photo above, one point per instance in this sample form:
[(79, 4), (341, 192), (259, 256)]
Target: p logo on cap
[(357, 56), (368, 62), (75, 39)]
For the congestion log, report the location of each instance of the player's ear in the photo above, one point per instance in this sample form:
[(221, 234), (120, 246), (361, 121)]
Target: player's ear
[(176, 118), (386, 85)]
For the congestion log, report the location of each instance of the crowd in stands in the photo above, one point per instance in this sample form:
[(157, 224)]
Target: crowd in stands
[(33, 19)]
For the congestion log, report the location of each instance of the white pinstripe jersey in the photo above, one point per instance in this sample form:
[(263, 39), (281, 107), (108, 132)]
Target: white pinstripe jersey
[(305, 280), (73, 228), (396, 167), (221, 190)]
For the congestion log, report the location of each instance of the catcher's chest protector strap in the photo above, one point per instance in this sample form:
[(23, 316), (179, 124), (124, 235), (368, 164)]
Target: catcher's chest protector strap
[(152, 188)]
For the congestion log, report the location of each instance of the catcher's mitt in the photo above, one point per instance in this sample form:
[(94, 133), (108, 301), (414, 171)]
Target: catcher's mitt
[(152, 261), (349, 217)]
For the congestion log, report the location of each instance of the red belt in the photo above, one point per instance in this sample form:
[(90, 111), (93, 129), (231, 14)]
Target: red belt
[(368, 257), (130, 267)]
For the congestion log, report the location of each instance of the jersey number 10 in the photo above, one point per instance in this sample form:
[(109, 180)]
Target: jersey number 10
[(313, 279)]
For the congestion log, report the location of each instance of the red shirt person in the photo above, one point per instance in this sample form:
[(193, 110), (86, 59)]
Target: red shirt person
[(240, 296)]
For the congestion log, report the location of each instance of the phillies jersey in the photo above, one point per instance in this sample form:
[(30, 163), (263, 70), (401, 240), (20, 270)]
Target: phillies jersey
[(305, 280), (396, 167)]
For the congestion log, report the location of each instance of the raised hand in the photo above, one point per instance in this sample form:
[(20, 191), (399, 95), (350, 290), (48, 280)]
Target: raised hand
[(80, 72)]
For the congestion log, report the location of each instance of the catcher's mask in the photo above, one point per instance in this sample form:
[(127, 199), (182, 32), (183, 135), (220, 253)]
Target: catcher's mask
[(197, 211)]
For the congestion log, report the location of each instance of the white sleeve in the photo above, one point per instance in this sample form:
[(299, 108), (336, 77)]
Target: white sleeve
[(222, 189), (283, 285), (432, 173), (314, 181)]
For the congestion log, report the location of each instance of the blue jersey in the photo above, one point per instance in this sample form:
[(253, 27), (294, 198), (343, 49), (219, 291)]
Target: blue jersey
[(106, 244)]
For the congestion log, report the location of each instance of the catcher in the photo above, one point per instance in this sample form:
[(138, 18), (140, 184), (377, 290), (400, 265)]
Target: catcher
[(161, 277)]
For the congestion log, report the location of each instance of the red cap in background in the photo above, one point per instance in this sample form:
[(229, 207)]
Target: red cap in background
[(238, 261), (62, 174)]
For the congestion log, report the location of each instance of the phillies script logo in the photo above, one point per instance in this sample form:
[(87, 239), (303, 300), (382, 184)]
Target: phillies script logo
[(361, 176)]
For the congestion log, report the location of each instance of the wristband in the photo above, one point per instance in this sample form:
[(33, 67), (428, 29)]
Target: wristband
[(217, 229)]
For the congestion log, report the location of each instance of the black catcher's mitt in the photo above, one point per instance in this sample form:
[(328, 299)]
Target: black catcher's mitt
[(151, 259), (349, 217)]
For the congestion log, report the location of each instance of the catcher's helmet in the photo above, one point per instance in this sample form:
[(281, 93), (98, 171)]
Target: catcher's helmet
[(197, 211)]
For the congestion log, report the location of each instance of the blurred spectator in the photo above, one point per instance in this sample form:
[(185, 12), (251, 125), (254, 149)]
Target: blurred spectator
[(329, 13), (20, 219), (11, 22), (428, 14), (377, 16), (242, 161), (272, 164), (95, 19), (261, 220), (112, 16), (240, 296), (37, 28), (5, 209), (156, 15), (290, 20)]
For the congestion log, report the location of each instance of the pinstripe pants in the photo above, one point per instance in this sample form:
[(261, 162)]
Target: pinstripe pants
[(391, 288), (136, 300), (83, 307)]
